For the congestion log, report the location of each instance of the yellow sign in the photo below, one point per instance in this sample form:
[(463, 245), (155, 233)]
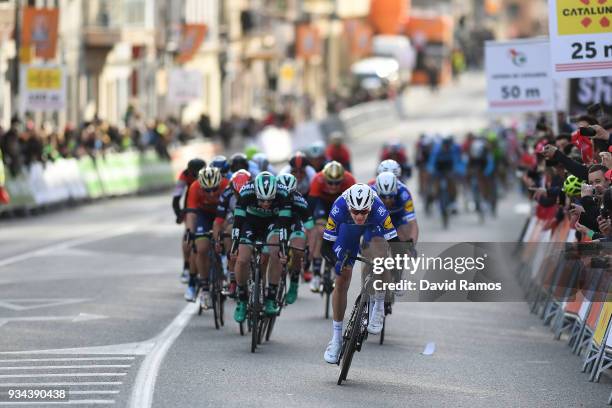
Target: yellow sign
[(602, 324), (388, 224), (331, 225), (584, 16), (43, 79), (287, 72), (26, 53)]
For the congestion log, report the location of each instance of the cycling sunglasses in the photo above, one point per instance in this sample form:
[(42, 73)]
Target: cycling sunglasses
[(360, 212), (334, 183), (210, 190), (265, 201), (387, 197)]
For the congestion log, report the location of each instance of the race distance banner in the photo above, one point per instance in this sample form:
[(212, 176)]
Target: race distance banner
[(580, 38), (518, 78)]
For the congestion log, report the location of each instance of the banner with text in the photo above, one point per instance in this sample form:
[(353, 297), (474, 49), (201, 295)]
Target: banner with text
[(43, 88), (580, 38), (518, 76)]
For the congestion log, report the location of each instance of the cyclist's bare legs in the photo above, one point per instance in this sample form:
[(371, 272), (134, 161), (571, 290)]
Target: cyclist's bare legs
[(339, 296), (202, 258)]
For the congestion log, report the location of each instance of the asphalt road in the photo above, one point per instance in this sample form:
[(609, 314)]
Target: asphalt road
[(90, 300)]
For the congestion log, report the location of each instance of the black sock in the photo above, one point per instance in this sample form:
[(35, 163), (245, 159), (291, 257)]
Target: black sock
[(186, 265), (193, 280), (272, 289), (243, 294), (316, 266), (205, 285)]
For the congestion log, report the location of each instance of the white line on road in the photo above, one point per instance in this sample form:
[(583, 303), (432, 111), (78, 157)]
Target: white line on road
[(59, 384), (144, 386), (32, 360), (97, 236), (13, 304), (73, 402), (90, 392), (64, 367), (81, 317), (40, 375)]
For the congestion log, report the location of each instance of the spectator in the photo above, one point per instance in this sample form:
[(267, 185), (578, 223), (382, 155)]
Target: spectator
[(10, 148), (205, 127)]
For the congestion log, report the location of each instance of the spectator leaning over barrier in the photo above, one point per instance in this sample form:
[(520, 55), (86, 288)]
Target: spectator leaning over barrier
[(591, 200)]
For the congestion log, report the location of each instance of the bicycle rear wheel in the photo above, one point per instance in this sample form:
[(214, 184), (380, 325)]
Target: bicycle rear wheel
[(255, 307), (215, 307)]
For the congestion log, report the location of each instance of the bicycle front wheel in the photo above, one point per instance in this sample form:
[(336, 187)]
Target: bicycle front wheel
[(353, 339)]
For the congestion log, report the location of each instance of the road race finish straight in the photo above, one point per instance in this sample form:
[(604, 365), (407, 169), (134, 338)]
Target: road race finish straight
[(580, 38), (518, 78)]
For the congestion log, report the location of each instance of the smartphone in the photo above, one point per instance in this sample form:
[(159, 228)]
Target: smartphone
[(587, 131)]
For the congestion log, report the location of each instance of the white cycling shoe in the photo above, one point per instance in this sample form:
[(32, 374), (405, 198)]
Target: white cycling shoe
[(375, 325), (332, 352), (315, 284)]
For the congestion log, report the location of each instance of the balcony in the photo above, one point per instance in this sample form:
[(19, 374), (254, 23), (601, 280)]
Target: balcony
[(107, 22)]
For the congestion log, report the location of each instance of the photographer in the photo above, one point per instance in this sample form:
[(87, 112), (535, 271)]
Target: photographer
[(592, 199)]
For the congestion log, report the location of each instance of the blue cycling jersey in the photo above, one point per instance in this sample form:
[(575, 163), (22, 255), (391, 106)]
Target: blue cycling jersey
[(403, 206), (378, 219)]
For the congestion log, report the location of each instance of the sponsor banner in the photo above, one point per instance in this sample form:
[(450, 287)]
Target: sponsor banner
[(40, 31), (587, 91), (184, 86), (43, 88), (192, 37), (518, 78), (580, 38)]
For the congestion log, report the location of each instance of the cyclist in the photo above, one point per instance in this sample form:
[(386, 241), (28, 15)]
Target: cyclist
[(316, 155), (261, 160), (338, 151), (301, 227), (239, 161), (397, 199), (445, 162), (387, 166), (423, 151), (187, 176), (225, 220), (222, 164), (201, 211), (357, 213), (396, 151), (263, 213), (325, 188), (481, 165), (303, 172)]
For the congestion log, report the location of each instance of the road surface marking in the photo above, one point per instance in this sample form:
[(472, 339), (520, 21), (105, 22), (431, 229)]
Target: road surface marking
[(59, 384), (13, 304), (43, 375), (64, 367), (144, 386), (97, 236), (73, 402), (81, 317), (89, 392), (31, 360)]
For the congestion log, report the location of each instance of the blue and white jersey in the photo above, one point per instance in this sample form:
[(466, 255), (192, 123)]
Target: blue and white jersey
[(403, 206), (378, 219)]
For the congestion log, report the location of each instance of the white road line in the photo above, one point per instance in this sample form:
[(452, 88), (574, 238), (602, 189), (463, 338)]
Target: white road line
[(90, 392), (97, 236), (73, 402), (62, 367), (144, 386), (41, 375), (60, 384), (32, 360)]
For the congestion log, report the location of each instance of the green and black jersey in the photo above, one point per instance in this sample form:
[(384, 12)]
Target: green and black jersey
[(300, 211), (248, 208)]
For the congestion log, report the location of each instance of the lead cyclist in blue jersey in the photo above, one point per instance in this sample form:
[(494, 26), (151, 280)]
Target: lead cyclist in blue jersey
[(357, 213)]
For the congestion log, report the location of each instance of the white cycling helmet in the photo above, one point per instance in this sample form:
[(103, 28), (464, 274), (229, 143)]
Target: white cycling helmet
[(359, 197), (262, 161), (391, 166), (288, 180), (386, 184)]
